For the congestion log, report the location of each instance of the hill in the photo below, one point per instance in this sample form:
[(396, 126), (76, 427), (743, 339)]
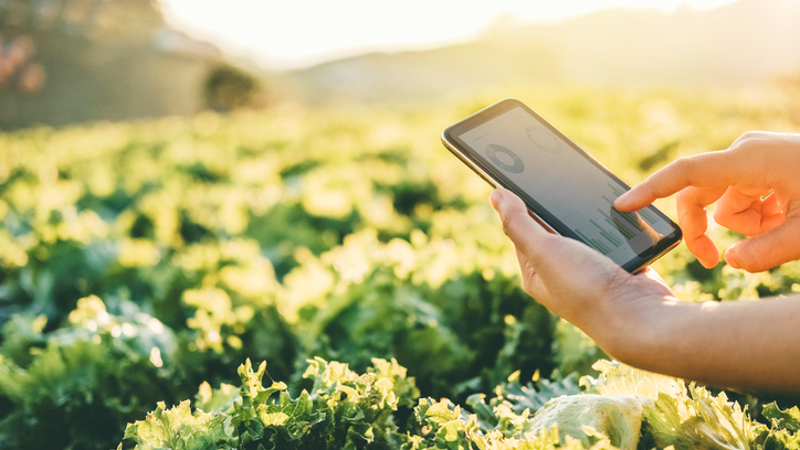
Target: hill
[(739, 45)]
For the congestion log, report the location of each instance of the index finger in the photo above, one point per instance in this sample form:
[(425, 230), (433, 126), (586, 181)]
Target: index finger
[(712, 169)]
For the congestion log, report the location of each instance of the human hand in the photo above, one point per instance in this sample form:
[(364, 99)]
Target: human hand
[(756, 186), (575, 281)]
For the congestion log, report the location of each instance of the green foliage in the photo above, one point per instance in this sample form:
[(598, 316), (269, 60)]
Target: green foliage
[(431, 309), (788, 419), (783, 431), (624, 408), (447, 427), (178, 428), (684, 417), (293, 234), (343, 410), (515, 398), (76, 386)]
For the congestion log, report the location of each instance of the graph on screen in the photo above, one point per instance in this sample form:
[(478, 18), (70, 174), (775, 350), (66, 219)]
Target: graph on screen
[(609, 229)]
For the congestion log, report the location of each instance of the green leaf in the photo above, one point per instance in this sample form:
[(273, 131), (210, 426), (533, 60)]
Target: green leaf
[(179, 429), (788, 419), (617, 418), (217, 400)]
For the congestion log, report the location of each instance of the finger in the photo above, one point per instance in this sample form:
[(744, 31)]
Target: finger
[(771, 205), (739, 212), (527, 235), (751, 136), (692, 217), (747, 213), (768, 250), (704, 170), (531, 281)]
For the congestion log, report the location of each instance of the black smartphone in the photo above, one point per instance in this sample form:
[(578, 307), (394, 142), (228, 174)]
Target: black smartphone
[(566, 190)]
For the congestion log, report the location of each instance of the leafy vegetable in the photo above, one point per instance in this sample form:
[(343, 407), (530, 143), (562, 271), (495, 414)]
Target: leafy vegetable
[(685, 417), (342, 410), (292, 233), (82, 383)]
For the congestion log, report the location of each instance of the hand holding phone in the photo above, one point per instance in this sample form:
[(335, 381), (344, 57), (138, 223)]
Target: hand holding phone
[(564, 188)]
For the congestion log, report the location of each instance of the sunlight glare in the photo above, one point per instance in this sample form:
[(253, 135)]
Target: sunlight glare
[(304, 32)]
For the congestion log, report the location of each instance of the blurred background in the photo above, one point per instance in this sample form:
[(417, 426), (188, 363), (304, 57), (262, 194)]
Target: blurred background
[(186, 184), (67, 61)]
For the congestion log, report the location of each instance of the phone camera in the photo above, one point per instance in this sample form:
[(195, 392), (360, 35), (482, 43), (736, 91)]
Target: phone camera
[(505, 158)]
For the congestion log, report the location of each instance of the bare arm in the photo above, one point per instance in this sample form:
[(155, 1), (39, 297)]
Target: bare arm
[(753, 345), (750, 345), (637, 319), (747, 345)]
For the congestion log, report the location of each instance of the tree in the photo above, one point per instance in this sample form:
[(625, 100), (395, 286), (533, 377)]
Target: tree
[(228, 88)]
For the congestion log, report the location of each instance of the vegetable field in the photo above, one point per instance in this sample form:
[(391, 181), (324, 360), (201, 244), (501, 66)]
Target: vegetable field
[(325, 279)]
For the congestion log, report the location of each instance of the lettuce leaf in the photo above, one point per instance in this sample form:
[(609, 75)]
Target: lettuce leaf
[(343, 410), (686, 417), (179, 429)]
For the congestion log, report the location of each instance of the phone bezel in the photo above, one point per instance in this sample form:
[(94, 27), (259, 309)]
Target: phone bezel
[(495, 178)]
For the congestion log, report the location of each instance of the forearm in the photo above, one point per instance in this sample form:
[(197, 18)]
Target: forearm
[(746, 345)]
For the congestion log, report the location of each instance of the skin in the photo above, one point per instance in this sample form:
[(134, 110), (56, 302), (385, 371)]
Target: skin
[(753, 346)]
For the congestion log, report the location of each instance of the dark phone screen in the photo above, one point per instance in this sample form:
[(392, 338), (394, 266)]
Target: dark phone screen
[(567, 184)]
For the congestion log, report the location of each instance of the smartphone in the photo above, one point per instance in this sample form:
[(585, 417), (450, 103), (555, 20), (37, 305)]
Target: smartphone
[(565, 189)]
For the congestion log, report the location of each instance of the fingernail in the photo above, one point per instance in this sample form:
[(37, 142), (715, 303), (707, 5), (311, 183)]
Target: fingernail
[(621, 200), (496, 197)]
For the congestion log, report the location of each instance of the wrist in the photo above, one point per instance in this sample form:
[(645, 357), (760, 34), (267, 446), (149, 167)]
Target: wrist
[(635, 330)]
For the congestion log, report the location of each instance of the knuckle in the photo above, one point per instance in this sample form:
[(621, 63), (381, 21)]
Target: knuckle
[(747, 141), (681, 168), (753, 134), (746, 146), (749, 135), (745, 137), (684, 165), (721, 217)]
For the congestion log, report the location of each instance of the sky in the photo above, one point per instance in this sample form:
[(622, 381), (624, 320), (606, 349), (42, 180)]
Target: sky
[(287, 34)]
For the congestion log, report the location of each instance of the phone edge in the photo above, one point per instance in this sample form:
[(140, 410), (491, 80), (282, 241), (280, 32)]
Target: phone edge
[(677, 237), (492, 182)]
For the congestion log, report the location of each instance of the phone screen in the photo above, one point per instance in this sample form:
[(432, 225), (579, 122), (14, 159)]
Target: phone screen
[(565, 186)]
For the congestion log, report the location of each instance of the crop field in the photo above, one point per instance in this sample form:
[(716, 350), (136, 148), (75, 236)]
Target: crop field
[(335, 279)]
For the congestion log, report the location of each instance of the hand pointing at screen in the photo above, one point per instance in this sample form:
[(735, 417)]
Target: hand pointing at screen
[(636, 318), (756, 186)]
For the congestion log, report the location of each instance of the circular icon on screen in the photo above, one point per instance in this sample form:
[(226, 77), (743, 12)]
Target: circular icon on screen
[(505, 158), (543, 139)]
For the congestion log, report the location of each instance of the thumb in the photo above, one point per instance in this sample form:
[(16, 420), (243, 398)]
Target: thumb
[(527, 235), (767, 250)]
